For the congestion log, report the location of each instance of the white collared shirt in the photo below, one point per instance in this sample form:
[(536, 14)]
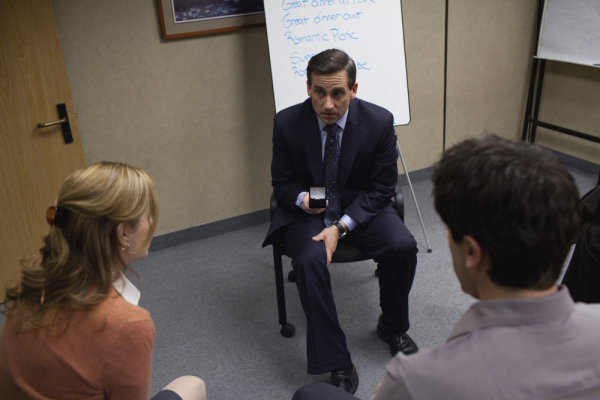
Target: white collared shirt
[(127, 290)]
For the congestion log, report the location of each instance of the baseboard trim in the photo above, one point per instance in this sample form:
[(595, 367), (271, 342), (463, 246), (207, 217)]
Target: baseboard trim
[(416, 176), (577, 163), (209, 229)]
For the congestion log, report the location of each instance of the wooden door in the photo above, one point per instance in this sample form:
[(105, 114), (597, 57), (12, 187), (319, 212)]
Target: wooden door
[(33, 161)]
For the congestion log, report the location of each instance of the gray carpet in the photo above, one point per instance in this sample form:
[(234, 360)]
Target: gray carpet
[(214, 306)]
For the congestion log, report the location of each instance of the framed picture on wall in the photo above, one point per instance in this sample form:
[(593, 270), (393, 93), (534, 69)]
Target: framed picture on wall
[(182, 18)]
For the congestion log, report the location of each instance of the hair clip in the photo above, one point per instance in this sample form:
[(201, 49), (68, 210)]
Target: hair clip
[(52, 213)]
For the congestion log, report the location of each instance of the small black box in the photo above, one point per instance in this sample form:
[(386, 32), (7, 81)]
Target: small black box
[(317, 197)]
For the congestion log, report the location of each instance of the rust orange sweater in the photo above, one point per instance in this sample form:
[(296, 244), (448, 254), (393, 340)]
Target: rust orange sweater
[(103, 354)]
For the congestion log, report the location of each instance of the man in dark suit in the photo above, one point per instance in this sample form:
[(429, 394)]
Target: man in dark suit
[(347, 145)]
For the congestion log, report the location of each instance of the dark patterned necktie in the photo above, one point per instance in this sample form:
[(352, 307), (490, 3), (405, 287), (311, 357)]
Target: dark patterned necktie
[(330, 161)]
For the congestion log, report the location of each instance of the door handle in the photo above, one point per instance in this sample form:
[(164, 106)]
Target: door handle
[(47, 124), (63, 121)]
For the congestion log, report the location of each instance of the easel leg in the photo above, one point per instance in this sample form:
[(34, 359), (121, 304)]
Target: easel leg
[(413, 196)]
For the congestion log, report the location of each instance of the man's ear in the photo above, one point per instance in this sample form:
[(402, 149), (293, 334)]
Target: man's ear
[(473, 252), (354, 89), (307, 88)]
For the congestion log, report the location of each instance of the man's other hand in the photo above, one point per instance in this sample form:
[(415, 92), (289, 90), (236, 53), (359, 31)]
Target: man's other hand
[(308, 209), (329, 236)]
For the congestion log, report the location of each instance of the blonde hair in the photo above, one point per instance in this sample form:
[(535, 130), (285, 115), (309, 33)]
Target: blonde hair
[(81, 259)]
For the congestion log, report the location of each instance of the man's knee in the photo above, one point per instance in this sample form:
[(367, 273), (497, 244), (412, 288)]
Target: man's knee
[(321, 391), (304, 393), (406, 247), (401, 249), (188, 387), (313, 256)]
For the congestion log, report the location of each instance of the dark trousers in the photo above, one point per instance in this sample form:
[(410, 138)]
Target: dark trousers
[(321, 391), (387, 241), (166, 394)]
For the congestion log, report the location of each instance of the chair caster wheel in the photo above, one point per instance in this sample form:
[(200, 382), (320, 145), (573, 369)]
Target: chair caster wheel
[(287, 330), (292, 276)]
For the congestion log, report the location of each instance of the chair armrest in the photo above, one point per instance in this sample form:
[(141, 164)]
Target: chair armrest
[(399, 201)]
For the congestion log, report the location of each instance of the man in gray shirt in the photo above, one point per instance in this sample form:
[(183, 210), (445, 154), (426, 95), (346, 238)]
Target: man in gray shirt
[(512, 212)]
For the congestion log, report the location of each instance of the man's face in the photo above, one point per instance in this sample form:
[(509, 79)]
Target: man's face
[(330, 95)]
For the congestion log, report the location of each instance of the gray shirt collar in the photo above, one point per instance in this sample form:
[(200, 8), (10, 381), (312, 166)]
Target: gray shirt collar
[(511, 312)]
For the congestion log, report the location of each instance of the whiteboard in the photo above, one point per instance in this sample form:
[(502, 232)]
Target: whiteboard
[(370, 31), (570, 32)]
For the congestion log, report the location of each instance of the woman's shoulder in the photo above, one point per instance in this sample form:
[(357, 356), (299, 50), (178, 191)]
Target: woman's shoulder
[(119, 314)]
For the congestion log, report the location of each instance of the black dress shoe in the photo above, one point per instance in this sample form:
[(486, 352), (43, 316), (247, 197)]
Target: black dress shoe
[(397, 341), (347, 381)]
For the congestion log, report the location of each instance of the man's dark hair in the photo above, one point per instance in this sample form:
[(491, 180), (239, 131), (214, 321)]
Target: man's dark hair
[(329, 62), (516, 200)]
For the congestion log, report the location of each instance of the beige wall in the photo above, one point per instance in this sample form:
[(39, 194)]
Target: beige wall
[(197, 112), (421, 141), (490, 44)]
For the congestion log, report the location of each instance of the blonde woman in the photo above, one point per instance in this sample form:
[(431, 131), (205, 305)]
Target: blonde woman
[(73, 329)]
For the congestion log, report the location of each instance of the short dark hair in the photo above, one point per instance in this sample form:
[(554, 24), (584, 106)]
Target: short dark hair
[(516, 200), (329, 62)]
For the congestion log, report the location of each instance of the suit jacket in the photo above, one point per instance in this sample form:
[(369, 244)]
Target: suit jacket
[(583, 273), (367, 170)]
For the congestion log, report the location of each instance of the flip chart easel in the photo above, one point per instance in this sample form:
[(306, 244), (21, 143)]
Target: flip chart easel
[(567, 32)]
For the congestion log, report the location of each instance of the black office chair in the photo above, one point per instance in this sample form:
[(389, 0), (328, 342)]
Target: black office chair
[(345, 252)]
